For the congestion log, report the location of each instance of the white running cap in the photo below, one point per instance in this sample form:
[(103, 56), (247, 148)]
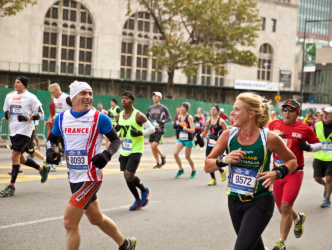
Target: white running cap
[(157, 94), (76, 87)]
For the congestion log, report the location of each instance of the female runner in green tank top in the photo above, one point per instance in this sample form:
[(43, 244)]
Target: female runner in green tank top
[(249, 146)]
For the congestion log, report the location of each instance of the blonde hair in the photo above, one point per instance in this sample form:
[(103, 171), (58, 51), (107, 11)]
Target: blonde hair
[(54, 86), (258, 104)]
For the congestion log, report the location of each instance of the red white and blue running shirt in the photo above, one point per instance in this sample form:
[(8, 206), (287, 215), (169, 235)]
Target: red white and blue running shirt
[(82, 136), (290, 135)]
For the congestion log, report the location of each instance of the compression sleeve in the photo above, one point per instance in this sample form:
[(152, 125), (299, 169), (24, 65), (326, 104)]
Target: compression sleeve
[(105, 124), (52, 141), (118, 110), (316, 147), (149, 129), (115, 142)]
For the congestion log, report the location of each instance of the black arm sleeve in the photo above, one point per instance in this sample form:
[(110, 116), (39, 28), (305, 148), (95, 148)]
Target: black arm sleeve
[(118, 110), (68, 101), (115, 142)]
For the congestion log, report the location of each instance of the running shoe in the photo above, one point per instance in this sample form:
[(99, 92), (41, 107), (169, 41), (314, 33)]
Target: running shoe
[(145, 197), (213, 182), (280, 245), (298, 227), (8, 191), (53, 168), (157, 166), (136, 205), (193, 175), (181, 172), (20, 172), (223, 176), (163, 160), (326, 203), (44, 173), (60, 163), (130, 244)]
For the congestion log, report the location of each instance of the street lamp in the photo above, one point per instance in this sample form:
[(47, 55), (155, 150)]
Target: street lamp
[(303, 50)]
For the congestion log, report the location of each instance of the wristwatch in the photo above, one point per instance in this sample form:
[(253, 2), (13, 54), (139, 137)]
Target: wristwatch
[(279, 174)]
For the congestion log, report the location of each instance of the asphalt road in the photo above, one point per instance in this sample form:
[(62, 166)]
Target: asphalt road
[(182, 214)]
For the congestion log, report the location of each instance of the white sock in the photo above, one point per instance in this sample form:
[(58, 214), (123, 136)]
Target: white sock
[(44, 158), (284, 241), (297, 220)]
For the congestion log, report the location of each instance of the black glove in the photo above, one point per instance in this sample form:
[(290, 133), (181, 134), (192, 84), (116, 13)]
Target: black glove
[(100, 160), (161, 122), (22, 118), (196, 119), (303, 145), (175, 126), (51, 155), (110, 114), (117, 127), (135, 132), (180, 127), (7, 115)]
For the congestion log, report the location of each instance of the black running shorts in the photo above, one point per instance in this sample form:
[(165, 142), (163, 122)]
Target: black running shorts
[(83, 193), (322, 168), (130, 162), (19, 142), (156, 137)]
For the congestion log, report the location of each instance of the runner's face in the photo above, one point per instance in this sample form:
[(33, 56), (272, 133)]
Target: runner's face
[(127, 102), (289, 117), (240, 114), (183, 110), (327, 117), (18, 85), (83, 101), (155, 98), (55, 92), (214, 111)]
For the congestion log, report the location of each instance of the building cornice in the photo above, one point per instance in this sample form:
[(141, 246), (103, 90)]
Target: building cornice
[(278, 2)]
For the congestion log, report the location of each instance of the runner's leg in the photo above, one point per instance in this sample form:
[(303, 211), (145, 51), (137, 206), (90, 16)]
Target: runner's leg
[(177, 148), (72, 218)]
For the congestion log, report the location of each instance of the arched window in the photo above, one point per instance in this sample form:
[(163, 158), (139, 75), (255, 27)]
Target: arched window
[(265, 60), (67, 47), (139, 33)]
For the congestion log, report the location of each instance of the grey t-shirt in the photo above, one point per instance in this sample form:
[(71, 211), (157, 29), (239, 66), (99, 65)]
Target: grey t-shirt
[(158, 115)]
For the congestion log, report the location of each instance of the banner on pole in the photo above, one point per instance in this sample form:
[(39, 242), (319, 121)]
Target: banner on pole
[(310, 57)]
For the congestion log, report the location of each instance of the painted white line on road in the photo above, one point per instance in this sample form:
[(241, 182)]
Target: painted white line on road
[(60, 217)]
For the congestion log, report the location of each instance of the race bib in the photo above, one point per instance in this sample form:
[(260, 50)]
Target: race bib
[(16, 110), (212, 142), (77, 161), (127, 145), (327, 146), (242, 181), (58, 109), (183, 136), (197, 125)]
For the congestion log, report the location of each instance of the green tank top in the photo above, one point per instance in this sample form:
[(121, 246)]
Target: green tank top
[(326, 153), (242, 176), (113, 111), (130, 144)]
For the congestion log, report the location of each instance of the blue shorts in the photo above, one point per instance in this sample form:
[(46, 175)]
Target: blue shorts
[(187, 144)]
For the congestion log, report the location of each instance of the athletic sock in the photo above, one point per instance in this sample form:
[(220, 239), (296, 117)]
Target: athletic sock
[(221, 170), (284, 241), (213, 176), (32, 163), (124, 244), (137, 183), (15, 169), (297, 220), (133, 190)]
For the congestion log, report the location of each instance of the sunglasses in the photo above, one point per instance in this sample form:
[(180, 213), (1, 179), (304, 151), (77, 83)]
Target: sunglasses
[(291, 110)]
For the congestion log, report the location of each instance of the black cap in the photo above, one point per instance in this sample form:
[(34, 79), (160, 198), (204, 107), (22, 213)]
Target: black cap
[(24, 80), (115, 100), (293, 104)]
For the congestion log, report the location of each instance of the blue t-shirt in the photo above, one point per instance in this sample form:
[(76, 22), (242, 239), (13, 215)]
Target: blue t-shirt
[(104, 125)]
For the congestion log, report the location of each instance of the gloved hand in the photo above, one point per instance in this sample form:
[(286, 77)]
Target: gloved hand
[(7, 115), (100, 160), (51, 155), (22, 118), (117, 127), (110, 114), (135, 132), (304, 146), (161, 122), (180, 127), (175, 126)]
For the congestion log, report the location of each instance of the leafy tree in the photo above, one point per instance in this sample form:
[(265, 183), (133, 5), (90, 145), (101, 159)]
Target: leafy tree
[(11, 7), (194, 32)]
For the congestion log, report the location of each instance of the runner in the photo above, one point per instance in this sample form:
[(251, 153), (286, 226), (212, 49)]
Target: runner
[(185, 138), (158, 114), (62, 103), (295, 134), (199, 123), (112, 113), (214, 126), (22, 108), (323, 159), (249, 146), (130, 123), (82, 129)]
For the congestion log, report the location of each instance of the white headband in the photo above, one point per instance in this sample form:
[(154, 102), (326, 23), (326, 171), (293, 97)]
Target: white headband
[(76, 87)]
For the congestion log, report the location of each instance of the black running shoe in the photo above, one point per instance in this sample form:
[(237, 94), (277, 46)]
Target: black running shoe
[(163, 160), (157, 166)]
